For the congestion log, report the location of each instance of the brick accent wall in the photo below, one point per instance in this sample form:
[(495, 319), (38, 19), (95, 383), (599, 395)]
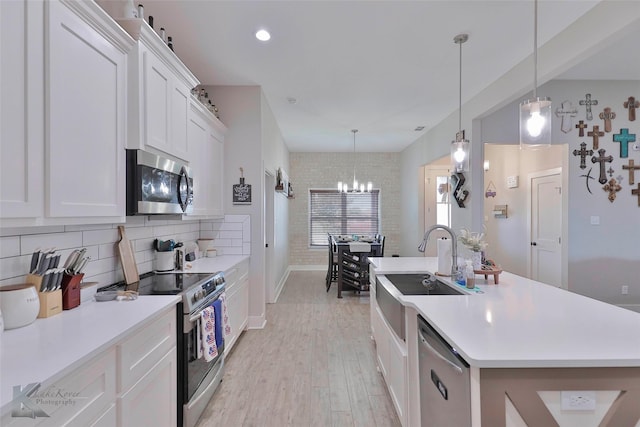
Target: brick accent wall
[(324, 170)]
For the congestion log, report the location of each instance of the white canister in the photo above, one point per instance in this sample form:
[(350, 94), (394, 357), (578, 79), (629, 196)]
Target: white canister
[(19, 305), (165, 261)]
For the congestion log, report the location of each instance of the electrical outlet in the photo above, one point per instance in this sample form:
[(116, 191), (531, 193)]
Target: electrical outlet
[(625, 290), (636, 147), (578, 400)]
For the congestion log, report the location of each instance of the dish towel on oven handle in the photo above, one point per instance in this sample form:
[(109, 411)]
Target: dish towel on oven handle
[(225, 315), (208, 330)]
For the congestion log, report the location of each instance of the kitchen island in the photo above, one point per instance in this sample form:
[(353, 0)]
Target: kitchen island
[(545, 338)]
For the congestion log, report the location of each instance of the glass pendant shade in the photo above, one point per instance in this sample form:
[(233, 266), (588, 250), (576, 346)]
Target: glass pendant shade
[(535, 123), (460, 156)]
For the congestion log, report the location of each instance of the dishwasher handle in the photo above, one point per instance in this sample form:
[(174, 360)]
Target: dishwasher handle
[(437, 354)]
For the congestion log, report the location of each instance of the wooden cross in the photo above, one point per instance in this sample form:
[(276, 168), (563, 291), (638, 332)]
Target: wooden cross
[(631, 167), (631, 104), (581, 126), (624, 138), (607, 115), (583, 153), (636, 192), (588, 102), (596, 133), (602, 160), (612, 187), (566, 111)]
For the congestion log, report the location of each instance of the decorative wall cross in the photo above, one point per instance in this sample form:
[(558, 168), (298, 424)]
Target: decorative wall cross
[(596, 133), (588, 102), (632, 168), (581, 126), (566, 111), (636, 192), (612, 187), (611, 172), (588, 177), (624, 138), (631, 104), (583, 153), (602, 160), (607, 115)]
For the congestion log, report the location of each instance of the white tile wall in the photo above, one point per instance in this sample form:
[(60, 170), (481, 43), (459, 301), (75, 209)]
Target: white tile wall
[(231, 234)]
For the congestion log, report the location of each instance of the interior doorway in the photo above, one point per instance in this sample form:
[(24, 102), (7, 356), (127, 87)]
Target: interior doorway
[(545, 226), (437, 201)]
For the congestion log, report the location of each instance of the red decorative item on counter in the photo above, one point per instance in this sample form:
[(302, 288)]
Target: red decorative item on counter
[(71, 291)]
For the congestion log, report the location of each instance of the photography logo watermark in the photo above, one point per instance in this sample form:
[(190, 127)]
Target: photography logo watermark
[(27, 401)]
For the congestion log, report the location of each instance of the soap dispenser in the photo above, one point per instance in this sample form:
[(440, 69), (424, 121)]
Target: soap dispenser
[(469, 275)]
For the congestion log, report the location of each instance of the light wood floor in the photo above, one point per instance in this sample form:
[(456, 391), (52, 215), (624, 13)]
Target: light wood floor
[(313, 365)]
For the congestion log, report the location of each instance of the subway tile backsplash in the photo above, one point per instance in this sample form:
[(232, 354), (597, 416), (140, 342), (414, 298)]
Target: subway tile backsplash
[(231, 235)]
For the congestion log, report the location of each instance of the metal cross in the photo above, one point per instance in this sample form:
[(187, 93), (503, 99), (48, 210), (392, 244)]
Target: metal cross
[(631, 167), (596, 133), (602, 160), (588, 177), (566, 111), (610, 172), (581, 126), (624, 138), (631, 104), (612, 187), (607, 115), (636, 192), (583, 153), (588, 102)]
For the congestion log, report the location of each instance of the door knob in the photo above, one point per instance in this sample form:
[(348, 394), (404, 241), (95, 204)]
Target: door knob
[(534, 244)]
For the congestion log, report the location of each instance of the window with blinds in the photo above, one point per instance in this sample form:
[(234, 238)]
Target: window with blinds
[(333, 212)]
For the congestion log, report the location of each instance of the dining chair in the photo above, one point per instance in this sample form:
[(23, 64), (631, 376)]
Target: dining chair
[(332, 270)]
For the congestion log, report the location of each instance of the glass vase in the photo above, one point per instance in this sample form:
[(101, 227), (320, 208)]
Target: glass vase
[(476, 260)]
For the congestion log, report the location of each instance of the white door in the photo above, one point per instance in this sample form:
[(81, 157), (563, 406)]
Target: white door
[(546, 227), (437, 207)]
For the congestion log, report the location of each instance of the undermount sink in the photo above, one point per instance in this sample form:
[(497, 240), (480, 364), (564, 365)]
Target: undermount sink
[(421, 284)]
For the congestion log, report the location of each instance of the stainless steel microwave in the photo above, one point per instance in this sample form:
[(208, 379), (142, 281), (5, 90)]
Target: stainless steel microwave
[(157, 185)]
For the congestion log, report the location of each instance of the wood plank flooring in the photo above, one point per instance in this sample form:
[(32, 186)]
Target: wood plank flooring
[(313, 365)]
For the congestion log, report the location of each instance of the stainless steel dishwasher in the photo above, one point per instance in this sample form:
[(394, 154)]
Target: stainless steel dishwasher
[(445, 387)]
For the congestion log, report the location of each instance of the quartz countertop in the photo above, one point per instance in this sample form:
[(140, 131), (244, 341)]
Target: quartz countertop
[(521, 323), (214, 264), (50, 348)]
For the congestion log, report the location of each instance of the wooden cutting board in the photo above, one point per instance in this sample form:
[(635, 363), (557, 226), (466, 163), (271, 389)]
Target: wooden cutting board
[(128, 261)]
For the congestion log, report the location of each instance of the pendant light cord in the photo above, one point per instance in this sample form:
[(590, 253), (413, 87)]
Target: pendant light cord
[(535, 49), (354, 156), (460, 92)]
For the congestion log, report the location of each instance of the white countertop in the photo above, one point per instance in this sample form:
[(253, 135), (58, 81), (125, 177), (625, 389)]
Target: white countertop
[(522, 323), (48, 349), (213, 265)]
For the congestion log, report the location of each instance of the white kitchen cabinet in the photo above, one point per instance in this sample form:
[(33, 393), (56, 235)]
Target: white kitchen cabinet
[(205, 141), (159, 94), (237, 292), (85, 113), (21, 109), (63, 113)]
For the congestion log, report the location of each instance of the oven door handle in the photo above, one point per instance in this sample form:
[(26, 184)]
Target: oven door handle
[(195, 317)]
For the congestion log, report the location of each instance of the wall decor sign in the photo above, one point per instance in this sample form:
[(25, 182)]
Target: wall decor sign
[(588, 102), (490, 191), (242, 191), (566, 112), (631, 104), (607, 115), (457, 181)]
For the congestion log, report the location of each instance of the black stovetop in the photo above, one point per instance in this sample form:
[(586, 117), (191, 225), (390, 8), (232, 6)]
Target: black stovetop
[(160, 284)]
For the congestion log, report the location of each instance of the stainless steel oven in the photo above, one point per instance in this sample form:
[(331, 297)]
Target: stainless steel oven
[(199, 377), (157, 185)]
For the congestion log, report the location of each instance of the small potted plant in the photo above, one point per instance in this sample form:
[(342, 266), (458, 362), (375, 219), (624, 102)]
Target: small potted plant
[(476, 244)]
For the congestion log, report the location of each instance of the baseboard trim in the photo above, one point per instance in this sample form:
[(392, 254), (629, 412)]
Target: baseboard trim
[(257, 322), (280, 286)]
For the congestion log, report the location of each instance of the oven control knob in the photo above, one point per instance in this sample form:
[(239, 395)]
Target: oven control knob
[(194, 298)]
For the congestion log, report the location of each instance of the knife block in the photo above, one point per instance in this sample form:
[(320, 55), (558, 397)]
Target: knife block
[(50, 302), (71, 291)]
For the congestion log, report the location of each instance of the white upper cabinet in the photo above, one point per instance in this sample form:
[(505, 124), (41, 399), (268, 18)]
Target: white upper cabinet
[(206, 148), (63, 113), (160, 89), (21, 122)]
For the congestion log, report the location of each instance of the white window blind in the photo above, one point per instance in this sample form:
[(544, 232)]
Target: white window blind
[(333, 212)]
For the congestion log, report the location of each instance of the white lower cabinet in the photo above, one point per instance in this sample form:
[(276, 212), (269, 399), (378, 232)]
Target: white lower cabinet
[(237, 292)]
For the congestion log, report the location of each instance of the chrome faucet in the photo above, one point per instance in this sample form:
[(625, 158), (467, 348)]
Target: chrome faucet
[(454, 246)]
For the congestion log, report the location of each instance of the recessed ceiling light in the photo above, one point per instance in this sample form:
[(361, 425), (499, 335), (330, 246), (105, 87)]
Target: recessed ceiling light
[(419, 128), (263, 35)]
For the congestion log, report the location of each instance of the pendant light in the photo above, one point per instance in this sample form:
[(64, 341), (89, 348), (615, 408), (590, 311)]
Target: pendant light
[(460, 147), (535, 113), (344, 187)]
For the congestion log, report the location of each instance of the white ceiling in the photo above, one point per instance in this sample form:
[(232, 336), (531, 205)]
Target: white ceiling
[(383, 67)]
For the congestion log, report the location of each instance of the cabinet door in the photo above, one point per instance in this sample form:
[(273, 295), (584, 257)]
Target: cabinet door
[(21, 109), (180, 96), (157, 90), (238, 308), (152, 400), (200, 152), (217, 175), (86, 120)]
